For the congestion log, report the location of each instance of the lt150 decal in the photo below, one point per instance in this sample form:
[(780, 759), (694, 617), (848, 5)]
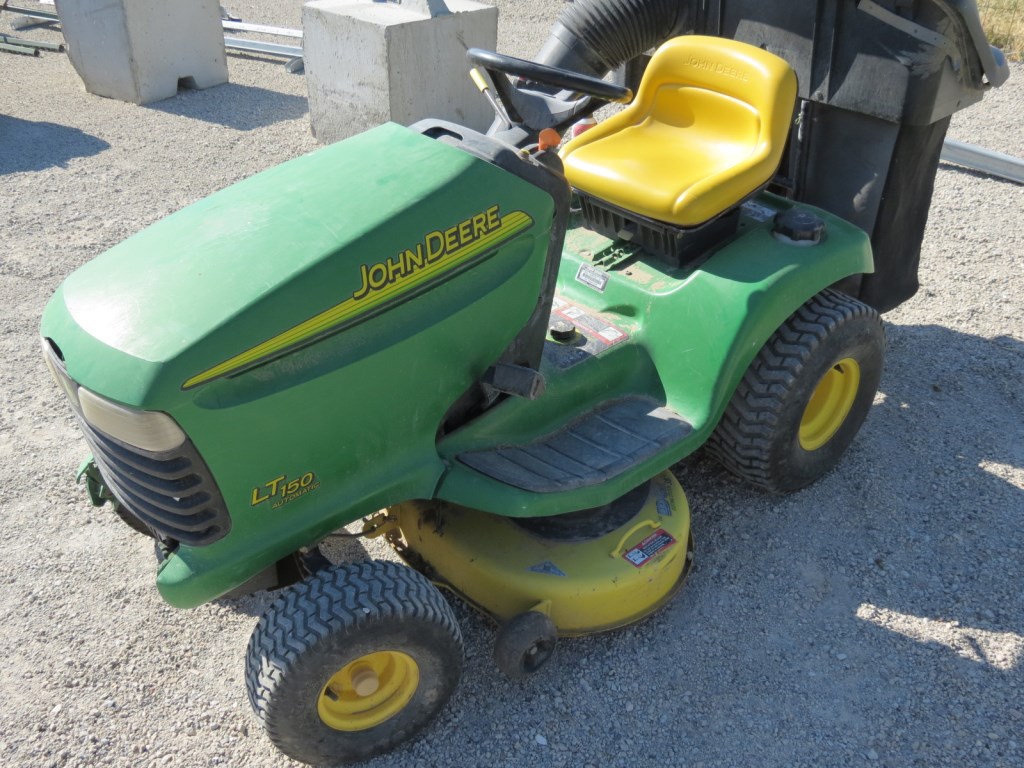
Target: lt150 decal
[(281, 490)]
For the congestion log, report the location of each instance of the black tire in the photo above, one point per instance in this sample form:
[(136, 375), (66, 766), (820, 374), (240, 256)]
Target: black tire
[(323, 626), (524, 644), (759, 437)]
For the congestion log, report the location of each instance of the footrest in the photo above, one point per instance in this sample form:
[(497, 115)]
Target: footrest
[(592, 450)]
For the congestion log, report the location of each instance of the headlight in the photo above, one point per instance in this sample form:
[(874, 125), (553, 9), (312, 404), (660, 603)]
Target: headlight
[(149, 430), (59, 376)]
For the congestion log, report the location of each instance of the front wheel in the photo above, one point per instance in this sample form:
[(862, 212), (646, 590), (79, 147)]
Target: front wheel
[(352, 662), (805, 395)]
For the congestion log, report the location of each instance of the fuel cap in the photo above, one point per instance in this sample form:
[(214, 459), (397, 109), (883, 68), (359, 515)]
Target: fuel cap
[(798, 226), (562, 330)]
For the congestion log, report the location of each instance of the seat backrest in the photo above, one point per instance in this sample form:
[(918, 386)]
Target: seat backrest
[(725, 68), (727, 105)]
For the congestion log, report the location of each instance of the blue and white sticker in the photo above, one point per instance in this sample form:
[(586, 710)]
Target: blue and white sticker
[(547, 568)]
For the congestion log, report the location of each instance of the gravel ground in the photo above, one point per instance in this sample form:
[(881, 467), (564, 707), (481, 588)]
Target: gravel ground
[(877, 617)]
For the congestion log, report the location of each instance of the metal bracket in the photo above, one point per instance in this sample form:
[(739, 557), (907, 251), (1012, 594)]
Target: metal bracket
[(615, 254), (915, 30), (379, 524), (94, 485), (426, 7), (983, 160), (516, 380)]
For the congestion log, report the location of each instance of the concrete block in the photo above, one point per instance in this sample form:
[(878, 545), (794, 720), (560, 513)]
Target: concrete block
[(370, 62), (139, 50)]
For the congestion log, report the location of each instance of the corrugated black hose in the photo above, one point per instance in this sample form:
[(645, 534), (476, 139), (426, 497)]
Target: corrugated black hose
[(598, 36)]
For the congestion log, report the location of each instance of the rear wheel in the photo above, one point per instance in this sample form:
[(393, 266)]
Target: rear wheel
[(352, 662), (805, 395)]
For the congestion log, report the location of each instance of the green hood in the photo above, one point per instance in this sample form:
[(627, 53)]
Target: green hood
[(249, 264)]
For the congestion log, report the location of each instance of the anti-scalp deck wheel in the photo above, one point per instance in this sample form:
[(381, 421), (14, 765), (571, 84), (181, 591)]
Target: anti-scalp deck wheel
[(805, 395), (524, 644), (352, 662)]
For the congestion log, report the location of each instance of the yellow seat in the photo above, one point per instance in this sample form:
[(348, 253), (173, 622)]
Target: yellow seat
[(706, 129)]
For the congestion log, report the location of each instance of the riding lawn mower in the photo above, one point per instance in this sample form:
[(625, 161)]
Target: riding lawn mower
[(490, 349)]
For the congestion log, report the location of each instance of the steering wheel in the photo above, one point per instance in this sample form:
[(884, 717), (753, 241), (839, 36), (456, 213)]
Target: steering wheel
[(542, 73), (536, 110)]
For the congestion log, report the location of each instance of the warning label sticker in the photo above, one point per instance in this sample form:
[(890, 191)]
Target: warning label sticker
[(595, 334), (649, 548), (591, 325)]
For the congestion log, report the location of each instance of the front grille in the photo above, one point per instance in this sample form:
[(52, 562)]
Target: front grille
[(172, 492)]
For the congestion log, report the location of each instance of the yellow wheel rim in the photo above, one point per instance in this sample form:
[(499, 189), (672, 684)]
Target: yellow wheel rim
[(830, 404), (368, 691)]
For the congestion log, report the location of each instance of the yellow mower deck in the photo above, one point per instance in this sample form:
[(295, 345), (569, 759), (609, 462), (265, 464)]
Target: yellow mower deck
[(583, 585)]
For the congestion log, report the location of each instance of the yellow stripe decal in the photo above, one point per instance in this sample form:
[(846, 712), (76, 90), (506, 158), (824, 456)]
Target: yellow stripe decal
[(481, 240)]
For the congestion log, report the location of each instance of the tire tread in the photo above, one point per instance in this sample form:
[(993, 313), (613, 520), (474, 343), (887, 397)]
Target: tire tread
[(742, 441), (339, 599)]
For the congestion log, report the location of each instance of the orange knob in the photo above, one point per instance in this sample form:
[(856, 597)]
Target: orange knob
[(548, 139)]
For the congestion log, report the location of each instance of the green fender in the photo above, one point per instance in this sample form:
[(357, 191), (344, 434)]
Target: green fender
[(692, 334)]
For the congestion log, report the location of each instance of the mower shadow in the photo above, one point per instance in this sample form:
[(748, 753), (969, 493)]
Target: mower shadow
[(861, 616), (876, 612), (893, 601), (336, 549), (937, 465), (252, 605), (26, 145), (242, 107)]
